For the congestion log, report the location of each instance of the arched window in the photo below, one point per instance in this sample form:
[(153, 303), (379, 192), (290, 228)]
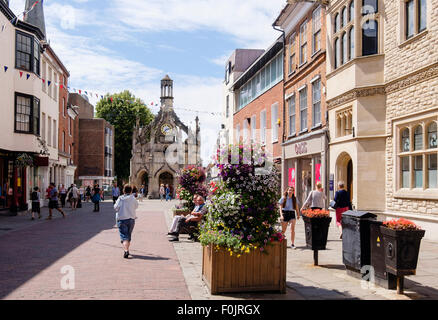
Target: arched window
[(351, 39), (344, 48), (344, 17), (418, 138), (432, 135), (337, 22), (405, 141), (351, 16), (337, 52), (370, 38)]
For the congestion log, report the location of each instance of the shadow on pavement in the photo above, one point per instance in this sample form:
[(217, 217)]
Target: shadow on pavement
[(317, 293), (333, 267), (27, 252), (419, 291), (137, 257)]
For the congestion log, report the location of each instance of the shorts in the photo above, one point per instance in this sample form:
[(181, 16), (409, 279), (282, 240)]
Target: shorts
[(288, 216), (125, 229), (53, 204), (36, 207)]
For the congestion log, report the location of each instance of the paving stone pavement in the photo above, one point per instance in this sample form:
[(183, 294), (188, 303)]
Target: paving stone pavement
[(34, 252), (307, 282)]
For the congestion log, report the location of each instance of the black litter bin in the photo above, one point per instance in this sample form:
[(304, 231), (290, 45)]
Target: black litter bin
[(356, 251), (382, 277)]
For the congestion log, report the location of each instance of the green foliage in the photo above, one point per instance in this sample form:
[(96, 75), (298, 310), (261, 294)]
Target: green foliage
[(122, 113)]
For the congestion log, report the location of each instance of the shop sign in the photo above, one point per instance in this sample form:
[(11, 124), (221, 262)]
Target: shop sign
[(317, 173), (301, 148)]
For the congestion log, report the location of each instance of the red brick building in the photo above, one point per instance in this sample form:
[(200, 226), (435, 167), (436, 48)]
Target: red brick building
[(95, 145), (259, 101), (306, 145)]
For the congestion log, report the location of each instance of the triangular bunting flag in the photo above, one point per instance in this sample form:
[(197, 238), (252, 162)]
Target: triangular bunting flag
[(27, 76), (44, 80), (61, 86), (86, 93), (21, 74), (111, 99), (49, 83), (101, 97), (6, 68), (80, 91)]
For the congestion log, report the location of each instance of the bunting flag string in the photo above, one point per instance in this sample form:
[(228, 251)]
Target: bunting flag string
[(91, 94), (15, 19)]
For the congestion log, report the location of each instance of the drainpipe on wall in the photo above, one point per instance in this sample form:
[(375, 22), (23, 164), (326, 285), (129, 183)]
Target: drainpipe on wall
[(284, 106)]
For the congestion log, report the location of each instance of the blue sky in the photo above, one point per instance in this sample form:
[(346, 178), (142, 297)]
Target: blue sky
[(110, 46)]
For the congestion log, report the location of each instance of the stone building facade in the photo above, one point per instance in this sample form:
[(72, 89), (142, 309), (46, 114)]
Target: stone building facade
[(411, 77), (164, 147)]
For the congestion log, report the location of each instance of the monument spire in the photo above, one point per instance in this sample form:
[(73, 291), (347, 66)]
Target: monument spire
[(167, 93), (36, 15)]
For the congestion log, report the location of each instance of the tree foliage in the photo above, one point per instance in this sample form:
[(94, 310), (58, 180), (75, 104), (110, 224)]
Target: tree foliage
[(122, 112)]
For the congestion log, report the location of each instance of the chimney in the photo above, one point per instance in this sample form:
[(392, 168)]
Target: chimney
[(36, 15)]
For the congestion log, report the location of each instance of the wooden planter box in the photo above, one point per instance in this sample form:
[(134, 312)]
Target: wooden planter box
[(251, 272), (401, 250)]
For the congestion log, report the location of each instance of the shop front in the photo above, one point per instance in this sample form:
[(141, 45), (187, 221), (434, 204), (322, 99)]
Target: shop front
[(305, 164)]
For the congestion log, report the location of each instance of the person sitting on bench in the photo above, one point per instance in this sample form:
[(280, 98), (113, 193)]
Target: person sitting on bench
[(191, 220)]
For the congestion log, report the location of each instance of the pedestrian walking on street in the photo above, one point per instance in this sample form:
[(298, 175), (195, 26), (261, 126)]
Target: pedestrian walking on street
[(167, 192), (162, 192), (343, 204), (74, 196), (289, 213), (141, 194), (36, 197), (96, 198), (125, 208), (88, 194), (316, 199), (115, 192), (53, 202), (69, 196), (62, 195)]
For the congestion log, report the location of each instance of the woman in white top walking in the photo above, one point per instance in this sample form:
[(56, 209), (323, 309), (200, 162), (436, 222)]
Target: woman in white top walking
[(316, 199), (125, 207)]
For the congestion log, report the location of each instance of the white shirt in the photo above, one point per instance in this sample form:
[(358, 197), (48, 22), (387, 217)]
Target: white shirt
[(125, 207)]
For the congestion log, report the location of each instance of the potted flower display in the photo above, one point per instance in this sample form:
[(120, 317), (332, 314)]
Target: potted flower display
[(316, 224), (402, 240), (242, 250)]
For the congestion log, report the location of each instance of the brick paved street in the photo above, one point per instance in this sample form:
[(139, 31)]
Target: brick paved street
[(33, 254)]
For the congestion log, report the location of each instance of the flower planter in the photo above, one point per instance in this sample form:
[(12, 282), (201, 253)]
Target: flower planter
[(401, 250), (316, 230), (181, 212), (251, 272)]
